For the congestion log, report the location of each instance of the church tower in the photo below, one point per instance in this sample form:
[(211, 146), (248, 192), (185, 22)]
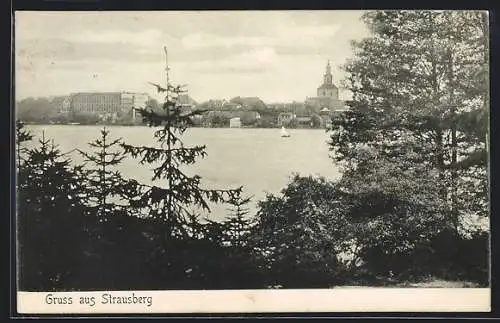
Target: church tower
[(328, 78), (328, 89), (327, 98)]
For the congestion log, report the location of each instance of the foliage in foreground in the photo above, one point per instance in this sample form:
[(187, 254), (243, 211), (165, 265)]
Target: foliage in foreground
[(413, 149), (302, 238), (414, 144), (312, 235)]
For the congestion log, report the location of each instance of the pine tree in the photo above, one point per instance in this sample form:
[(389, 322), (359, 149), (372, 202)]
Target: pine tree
[(408, 102), (234, 255), (174, 200), (238, 226), (109, 192), (22, 135), (413, 144), (114, 231), (171, 204), (50, 213)]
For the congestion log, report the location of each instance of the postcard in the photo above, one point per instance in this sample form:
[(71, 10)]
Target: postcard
[(252, 161)]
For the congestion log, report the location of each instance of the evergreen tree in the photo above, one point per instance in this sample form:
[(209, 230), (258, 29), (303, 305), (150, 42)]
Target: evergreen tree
[(49, 218), (232, 261), (241, 254), (419, 91), (238, 225), (174, 198), (413, 144), (171, 203), (115, 236), (109, 192), (22, 135)]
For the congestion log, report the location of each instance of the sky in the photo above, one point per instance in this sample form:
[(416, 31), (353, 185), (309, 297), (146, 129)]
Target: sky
[(279, 56)]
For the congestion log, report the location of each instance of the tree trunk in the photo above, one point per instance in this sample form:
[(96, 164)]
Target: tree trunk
[(103, 175), (454, 143), (438, 131)]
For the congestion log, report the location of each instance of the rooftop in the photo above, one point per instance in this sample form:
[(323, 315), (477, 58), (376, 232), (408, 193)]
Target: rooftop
[(327, 86), (92, 94)]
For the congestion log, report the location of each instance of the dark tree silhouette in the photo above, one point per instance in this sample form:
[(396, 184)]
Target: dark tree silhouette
[(172, 203), (49, 219), (238, 225), (301, 232), (174, 200), (22, 135), (109, 193), (414, 143)]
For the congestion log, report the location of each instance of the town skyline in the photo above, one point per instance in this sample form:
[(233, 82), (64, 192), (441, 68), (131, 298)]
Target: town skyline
[(219, 55)]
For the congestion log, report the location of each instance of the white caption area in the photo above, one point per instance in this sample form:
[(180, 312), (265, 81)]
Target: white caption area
[(251, 301)]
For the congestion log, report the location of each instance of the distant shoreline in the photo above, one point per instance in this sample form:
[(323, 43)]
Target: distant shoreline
[(144, 125)]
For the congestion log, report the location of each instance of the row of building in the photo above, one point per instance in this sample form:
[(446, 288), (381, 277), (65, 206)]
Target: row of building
[(313, 112), (103, 104), (243, 110), (108, 103), (237, 119)]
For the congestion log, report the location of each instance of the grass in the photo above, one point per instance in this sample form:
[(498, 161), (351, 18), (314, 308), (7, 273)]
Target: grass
[(429, 282), (439, 283)]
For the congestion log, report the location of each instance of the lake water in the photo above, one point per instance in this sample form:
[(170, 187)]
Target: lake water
[(258, 159)]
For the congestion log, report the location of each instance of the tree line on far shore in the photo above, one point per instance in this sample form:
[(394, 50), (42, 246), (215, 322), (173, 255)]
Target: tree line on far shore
[(216, 114), (414, 186)]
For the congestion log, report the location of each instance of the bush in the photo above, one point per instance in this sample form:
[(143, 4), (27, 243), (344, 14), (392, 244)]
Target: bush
[(300, 234)]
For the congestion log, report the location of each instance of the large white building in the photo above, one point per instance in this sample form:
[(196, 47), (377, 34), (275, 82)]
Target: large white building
[(105, 103)]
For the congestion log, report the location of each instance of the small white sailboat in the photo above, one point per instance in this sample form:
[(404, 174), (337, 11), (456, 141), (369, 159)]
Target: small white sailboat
[(284, 133)]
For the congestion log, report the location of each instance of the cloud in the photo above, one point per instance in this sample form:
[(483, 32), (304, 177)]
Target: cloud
[(259, 56), (251, 61), (114, 45), (269, 54), (282, 36), (145, 37), (204, 40), (227, 69), (57, 49), (150, 37)]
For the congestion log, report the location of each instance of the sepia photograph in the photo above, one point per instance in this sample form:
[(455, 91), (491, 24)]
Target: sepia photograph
[(252, 161)]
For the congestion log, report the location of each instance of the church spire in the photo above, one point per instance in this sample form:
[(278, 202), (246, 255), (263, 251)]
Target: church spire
[(328, 78)]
